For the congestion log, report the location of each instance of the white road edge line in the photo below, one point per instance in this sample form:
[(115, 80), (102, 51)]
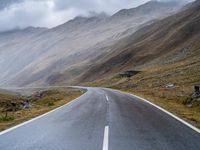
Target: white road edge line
[(29, 121), (106, 138), (167, 112), (107, 98)]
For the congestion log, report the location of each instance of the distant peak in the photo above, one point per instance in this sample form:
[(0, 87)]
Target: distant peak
[(149, 7), (91, 17)]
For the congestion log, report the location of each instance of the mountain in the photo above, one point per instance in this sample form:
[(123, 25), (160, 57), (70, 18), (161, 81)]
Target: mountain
[(36, 56), (169, 40), (149, 8)]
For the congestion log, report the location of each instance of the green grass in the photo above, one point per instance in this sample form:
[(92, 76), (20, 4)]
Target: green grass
[(41, 102), (5, 118)]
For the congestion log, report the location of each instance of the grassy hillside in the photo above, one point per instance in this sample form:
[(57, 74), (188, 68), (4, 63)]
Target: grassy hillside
[(170, 39), (15, 109), (168, 85)]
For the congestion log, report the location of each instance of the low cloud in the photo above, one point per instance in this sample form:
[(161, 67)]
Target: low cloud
[(50, 13)]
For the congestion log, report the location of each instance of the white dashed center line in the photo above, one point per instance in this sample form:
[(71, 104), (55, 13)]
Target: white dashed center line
[(107, 98), (106, 138)]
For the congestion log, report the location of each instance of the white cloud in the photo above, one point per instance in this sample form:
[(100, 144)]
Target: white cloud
[(33, 13), (49, 13)]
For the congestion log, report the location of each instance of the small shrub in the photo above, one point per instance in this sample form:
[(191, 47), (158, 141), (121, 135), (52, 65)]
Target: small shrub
[(187, 100), (50, 103), (6, 118), (196, 104)]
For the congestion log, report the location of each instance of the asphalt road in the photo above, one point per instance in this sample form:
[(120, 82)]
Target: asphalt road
[(102, 119)]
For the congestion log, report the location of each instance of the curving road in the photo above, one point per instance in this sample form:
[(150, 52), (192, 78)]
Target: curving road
[(102, 119)]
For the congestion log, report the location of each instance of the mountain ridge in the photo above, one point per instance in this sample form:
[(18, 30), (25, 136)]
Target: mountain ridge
[(156, 41), (67, 48)]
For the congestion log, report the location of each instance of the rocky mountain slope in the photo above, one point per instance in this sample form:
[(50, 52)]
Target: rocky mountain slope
[(166, 41), (36, 56), (163, 63)]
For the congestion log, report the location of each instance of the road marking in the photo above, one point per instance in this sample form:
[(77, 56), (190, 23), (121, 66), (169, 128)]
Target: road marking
[(17, 126), (106, 138), (167, 112), (162, 109), (107, 98)]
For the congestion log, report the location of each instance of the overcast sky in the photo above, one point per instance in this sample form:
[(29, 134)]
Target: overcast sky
[(50, 13)]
